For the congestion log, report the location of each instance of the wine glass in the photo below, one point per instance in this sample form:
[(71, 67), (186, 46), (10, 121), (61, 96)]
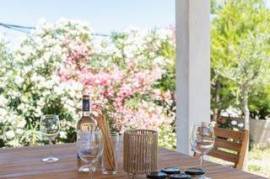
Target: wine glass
[(202, 140), (89, 148), (49, 128)]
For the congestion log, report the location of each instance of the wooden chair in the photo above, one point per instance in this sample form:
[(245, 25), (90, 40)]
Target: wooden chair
[(230, 146)]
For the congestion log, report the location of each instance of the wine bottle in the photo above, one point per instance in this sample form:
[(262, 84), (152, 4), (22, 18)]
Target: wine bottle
[(85, 124)]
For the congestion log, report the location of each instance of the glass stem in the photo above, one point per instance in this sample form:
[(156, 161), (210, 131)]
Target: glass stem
[(50, 141), (201, 160), (90, 171), (49, 150)]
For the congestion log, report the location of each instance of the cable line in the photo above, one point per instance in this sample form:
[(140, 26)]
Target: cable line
[(26, 29)]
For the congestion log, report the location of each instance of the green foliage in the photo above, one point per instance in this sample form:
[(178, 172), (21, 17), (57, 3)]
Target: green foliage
[(254, 168), (260, 102), (240, 50), (223, 93), (167, 137)]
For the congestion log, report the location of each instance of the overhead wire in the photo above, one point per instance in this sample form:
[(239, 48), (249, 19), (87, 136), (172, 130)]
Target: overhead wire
[(27, 29)]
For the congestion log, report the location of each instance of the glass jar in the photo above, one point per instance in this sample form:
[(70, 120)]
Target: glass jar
[(112, 158)]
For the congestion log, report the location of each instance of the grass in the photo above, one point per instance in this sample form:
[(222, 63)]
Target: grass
[(259, 161)]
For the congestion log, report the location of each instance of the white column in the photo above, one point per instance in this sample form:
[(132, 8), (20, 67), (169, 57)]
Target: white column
[(192, 68)]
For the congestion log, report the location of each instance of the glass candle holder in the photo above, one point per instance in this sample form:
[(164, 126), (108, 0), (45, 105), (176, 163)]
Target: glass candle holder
[(140, 151), (111, 155)]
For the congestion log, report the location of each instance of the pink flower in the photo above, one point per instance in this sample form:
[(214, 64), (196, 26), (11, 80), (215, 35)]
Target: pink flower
[(113, 87)]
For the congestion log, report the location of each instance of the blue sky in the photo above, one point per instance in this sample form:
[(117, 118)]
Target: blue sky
[(103, 15)]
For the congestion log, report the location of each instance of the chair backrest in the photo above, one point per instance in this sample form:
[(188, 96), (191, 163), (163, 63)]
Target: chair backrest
[(230, 146)]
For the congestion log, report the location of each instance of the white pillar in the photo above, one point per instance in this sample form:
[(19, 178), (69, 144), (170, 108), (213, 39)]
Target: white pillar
[(192, 68)]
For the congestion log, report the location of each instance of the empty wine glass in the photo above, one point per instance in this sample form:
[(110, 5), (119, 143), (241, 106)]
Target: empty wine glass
[(89, 148), (202, 140), (49, 128)]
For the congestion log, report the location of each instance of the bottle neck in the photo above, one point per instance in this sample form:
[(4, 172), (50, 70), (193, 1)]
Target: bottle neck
[(86, 106), (86, 113)]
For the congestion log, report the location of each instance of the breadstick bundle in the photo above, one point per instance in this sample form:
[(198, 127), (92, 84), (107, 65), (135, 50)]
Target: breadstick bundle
[(109, 158)]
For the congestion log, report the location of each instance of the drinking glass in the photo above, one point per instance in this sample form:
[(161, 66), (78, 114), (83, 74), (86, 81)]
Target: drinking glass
[(49, 128), (110, 163), (202, 140), (89, 148)]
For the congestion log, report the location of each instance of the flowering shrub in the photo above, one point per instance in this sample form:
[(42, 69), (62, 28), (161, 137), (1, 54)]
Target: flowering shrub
[(59, 62), (120, 78)]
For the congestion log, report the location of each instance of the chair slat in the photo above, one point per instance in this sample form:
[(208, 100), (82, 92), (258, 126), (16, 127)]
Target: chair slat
[(221, 143), (227, 133), (224, 155)]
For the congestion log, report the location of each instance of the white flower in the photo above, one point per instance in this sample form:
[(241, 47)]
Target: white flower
[(10, 134), (234, 122), (19, 131), (21, 123), (163, 34), (19, 80), (63, 134), (3, 101), (160, 61), (241, 125), (26, 69)]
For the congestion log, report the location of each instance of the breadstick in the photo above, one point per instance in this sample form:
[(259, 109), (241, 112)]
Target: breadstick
[(108, 152)]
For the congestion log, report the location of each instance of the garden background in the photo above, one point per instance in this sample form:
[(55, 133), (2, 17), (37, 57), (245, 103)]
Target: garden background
[(130, 75)]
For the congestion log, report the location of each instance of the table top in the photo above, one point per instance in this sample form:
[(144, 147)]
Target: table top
[(26, 162)]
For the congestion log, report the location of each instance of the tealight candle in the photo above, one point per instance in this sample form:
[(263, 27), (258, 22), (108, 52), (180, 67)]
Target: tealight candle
[(157, 175), (171, 170), (195, 171), (180, 176)]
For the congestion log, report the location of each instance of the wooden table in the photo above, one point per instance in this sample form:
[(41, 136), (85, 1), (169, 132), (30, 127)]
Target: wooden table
[(25, 163)]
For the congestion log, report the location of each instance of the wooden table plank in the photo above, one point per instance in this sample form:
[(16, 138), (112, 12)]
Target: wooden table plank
[(25, 163)]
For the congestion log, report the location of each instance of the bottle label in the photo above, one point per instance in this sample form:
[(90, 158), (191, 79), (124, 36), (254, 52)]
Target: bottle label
[(86, 105)]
